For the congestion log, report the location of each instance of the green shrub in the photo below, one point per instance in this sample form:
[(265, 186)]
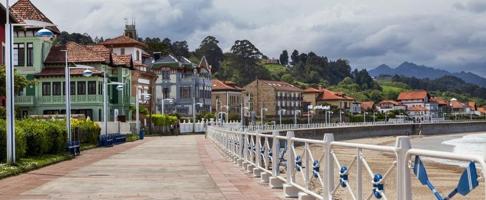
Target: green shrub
[(164, 120), (88, 132), (20, 142), (37, 135)]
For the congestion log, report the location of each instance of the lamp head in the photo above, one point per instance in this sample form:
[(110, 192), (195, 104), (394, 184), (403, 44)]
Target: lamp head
[(45, 34), (87, 73), (119, 87)]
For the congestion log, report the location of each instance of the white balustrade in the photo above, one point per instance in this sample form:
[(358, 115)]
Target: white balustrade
[(278, 161)]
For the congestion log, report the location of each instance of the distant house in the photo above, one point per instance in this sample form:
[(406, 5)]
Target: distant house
[(226, 97), (274, 96), (418, 104), (389, 105), (178, 82), (443, 105), (460, 108), (321, 96), (367, 106)]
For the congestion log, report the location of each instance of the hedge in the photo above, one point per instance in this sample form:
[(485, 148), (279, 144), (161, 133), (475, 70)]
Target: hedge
[(40, 137), (164, 120)]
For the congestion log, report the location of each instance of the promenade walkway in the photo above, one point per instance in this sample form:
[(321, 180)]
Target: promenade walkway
[(183, 167)]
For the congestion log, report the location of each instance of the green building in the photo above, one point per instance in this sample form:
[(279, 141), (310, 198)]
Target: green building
[(40, 60)]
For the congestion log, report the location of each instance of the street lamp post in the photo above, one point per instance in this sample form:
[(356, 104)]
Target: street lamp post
[(295, 116), (9, 80), (261, 114), (341, 116), (309, 111), (280, 115), (364, 117), (145, 97)]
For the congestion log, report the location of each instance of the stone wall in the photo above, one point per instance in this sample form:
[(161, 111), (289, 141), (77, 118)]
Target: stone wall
[(346, 133)]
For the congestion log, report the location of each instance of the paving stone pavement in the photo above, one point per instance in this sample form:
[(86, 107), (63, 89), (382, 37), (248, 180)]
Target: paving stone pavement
[(179, 167)]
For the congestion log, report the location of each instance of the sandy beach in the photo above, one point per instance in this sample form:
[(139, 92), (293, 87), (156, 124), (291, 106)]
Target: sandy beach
[(444, 176)]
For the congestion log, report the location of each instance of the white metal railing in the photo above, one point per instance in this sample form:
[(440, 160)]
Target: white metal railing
[(279, 161)]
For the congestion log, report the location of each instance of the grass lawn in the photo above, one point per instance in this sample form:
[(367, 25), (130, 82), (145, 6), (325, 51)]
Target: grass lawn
[(32, 163)]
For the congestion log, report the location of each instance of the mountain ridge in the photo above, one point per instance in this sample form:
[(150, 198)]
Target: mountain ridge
[(410, 69)]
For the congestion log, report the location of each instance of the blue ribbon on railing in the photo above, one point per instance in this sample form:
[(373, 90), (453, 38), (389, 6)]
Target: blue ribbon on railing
[(343, 176), (298, 163), (378, 186), (315, 168), (467, 182)]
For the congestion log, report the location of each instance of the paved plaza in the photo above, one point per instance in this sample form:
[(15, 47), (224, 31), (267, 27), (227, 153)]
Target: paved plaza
[(183, 167)]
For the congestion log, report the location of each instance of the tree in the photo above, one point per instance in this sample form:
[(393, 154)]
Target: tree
[(243, 60), (295, 57), (284, 58), (20, 82), (74, 37), (214, 55), (180, 49), (156, 45)]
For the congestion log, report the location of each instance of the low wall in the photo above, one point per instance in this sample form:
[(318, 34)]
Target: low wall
[(347, 133)]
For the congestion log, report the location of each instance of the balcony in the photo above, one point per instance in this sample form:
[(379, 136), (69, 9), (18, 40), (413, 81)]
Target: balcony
[(88, 99), (24, 100)]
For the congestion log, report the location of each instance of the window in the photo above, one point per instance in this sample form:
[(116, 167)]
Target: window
[(166, 75), (73, 88), (56, 88), (185, 92), (81, 88), (46, 89), (166, 92), (138, 55), (100, 88), (122, 51), (30, 54), (19, 55), (91, 87)]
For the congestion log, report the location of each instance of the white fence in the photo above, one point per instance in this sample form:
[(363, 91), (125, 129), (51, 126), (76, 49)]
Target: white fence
[(312, 169), (117, 127), (201, 126)]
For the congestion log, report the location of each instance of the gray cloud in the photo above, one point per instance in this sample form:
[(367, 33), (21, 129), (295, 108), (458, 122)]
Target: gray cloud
[(442, 33)]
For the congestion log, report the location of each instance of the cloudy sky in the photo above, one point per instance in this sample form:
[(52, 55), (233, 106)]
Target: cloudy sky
[(447, 34)]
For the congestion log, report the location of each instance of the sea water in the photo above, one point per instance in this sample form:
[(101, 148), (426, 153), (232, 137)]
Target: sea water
[(474, 144)]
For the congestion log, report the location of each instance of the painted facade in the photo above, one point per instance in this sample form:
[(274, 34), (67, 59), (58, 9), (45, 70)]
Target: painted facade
[(178, 81)]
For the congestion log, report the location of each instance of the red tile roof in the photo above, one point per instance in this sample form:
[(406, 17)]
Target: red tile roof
[(26, 10), (367, 105), (482, 110), (282, 86), (86, 54), (455, 104), (395, 103), (122, 60), (439, 100), (123, 41), (219, 85), (328, 95), (59, 71), (472, 105), (76, 53), (413, 95)]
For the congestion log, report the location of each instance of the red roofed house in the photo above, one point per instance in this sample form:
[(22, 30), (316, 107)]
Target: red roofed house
[(226, 98), (321, 96), (460, 108), (274, 96), (389, 105), (128, 46), (86, 92), (368, 106), (418, 104)]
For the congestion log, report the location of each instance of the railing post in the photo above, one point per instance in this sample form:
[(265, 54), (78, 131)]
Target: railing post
[(258, 157), (275, 182), (328, 167), (359, 175), (404, 188), (290, 191)]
